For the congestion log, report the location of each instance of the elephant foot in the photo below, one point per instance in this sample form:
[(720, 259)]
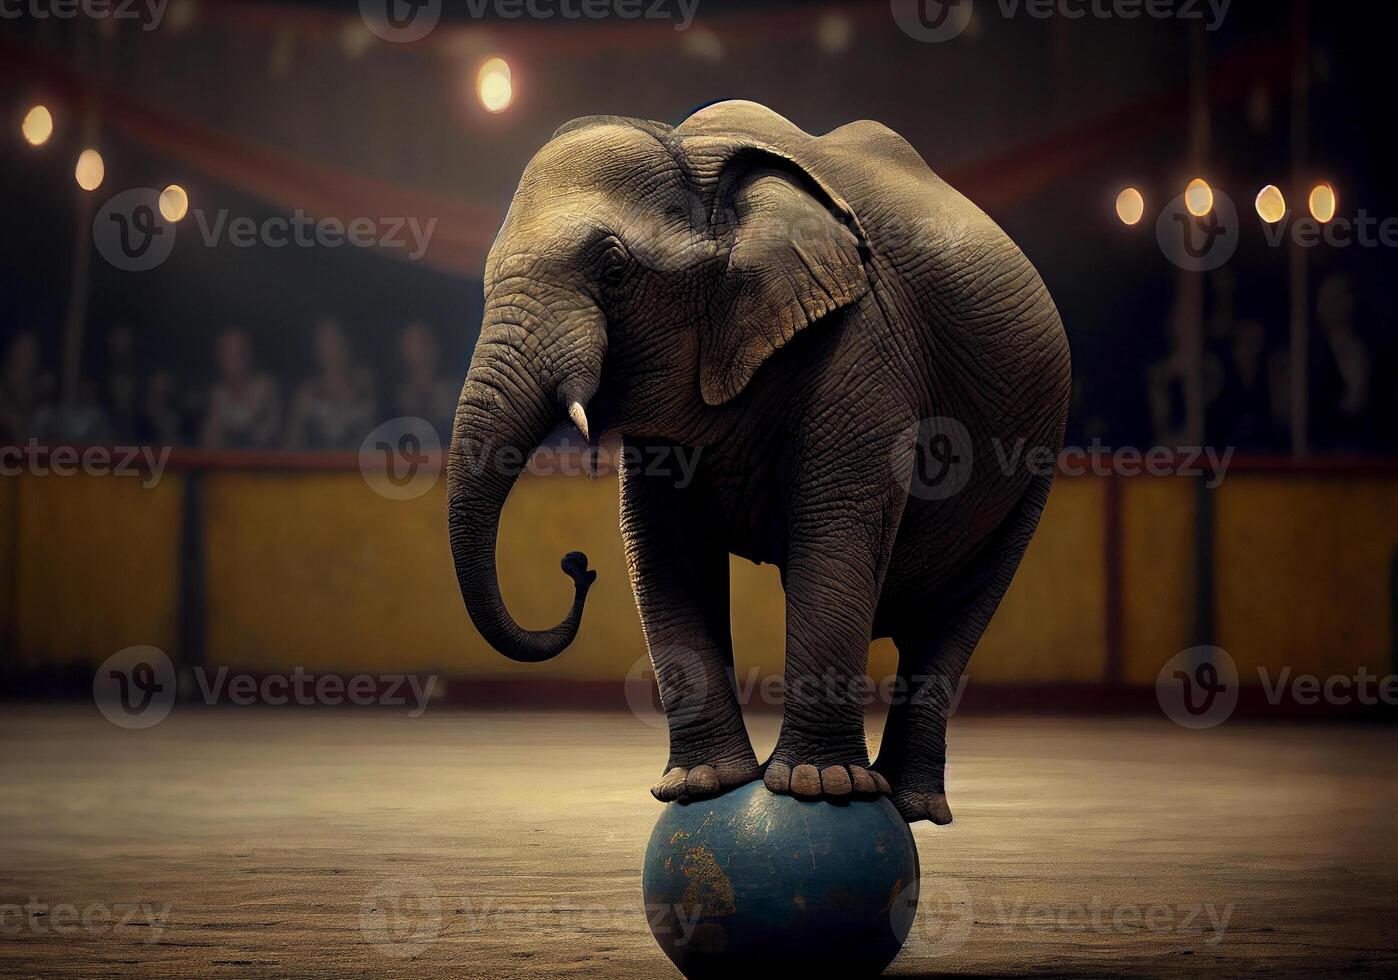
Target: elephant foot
[(704, 781), (916, 799), (836, 782), (916, 806)]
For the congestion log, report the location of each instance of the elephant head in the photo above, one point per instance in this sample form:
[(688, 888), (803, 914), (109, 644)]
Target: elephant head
[(642, 276)]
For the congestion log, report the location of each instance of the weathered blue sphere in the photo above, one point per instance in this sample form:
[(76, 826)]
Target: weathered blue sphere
[(752, 883)]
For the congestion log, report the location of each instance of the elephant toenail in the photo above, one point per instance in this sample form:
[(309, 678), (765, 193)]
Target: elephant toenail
[(835, 781), (702, 779), (805, 781), (861, 782)]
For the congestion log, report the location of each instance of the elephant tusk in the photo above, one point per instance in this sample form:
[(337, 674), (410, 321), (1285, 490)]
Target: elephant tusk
[(579, 417)]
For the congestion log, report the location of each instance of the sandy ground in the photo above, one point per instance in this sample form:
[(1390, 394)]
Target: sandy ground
[(284, 843)]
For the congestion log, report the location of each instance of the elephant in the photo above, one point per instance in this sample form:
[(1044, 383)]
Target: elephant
[(820, 319)]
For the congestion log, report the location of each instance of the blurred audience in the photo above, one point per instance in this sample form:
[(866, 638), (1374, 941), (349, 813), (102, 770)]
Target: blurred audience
[(1238, 376), (1245, 392), (119, 393), (164, 409), (79, 420), (336, 408), (1342, 372), (24, 388), (1167, 385), (1241, 414), (245, 410), (425, 393)]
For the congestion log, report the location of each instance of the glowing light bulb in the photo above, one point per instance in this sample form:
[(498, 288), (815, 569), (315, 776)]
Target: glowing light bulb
[(1199, 197), (494, 85), (1271, 205), (834, 32), (38, 125), (174, 202), (90, 170), (1323, 202), (1130, 205)]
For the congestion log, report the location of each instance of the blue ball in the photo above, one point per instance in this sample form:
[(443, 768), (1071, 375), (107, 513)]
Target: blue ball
[(753, 882)]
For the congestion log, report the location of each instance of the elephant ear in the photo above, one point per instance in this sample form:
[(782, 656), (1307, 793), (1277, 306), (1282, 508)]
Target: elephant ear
[(795, 255)]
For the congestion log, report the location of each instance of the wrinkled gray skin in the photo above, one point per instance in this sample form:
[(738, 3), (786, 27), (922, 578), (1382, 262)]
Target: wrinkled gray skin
[(790, 307)]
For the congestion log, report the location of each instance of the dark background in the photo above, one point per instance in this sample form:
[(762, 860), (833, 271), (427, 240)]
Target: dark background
[(1039, 121)]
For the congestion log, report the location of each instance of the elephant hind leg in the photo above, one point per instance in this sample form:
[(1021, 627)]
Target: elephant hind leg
[(933, 651)]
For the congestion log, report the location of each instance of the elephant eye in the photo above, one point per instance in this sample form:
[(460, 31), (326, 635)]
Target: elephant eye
[(613, 263)]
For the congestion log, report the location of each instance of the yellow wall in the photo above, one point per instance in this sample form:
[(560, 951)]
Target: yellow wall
[(1157, 526), (95, 565), (1052, 623), (317, 570), (1303, 573)]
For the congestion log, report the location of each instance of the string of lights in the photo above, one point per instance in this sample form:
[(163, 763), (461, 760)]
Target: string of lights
[(494, 89), (1270, 203)]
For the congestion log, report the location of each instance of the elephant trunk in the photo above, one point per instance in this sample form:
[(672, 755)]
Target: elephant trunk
[(504, 413)]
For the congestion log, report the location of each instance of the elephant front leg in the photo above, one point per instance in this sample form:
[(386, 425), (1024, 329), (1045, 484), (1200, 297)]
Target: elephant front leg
[(838, 552), (679, 572)]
